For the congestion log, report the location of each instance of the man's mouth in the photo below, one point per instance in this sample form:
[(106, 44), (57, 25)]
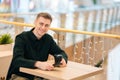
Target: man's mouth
[(41, 31)]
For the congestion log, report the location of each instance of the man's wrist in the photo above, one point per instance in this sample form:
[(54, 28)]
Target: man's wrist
[(37, 63)]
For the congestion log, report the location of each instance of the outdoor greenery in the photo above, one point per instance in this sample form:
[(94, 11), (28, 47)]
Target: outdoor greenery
[(5, 39)]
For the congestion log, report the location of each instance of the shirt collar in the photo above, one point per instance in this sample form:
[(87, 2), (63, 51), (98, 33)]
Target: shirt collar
[(32, 35)]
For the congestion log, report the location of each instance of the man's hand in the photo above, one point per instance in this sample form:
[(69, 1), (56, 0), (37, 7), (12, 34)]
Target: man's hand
[(44, 65), (63, 63)]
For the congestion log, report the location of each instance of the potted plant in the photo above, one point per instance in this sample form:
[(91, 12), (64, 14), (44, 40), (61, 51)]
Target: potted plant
[(5, 42)]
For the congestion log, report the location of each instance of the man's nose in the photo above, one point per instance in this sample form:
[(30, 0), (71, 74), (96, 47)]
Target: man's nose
[(43, 26)]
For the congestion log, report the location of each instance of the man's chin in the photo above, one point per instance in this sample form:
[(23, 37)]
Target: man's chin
[(41, 34)]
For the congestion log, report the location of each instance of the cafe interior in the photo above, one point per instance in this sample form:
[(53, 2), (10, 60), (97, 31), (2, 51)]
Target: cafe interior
[(87, 30)]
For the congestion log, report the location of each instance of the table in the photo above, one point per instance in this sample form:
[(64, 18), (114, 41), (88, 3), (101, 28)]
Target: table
[(5, 59), (73, 71)]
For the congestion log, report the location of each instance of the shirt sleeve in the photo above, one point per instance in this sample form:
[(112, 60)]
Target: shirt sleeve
[(18, 54), (55, 49)]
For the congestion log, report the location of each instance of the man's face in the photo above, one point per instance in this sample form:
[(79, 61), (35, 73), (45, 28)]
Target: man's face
[(42, 25)]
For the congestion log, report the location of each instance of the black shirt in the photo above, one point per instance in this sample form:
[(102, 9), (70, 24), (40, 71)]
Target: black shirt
[(28, 49)]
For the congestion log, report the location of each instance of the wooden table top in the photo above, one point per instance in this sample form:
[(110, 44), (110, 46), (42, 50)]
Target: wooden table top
[(5, 53), (73, 71)]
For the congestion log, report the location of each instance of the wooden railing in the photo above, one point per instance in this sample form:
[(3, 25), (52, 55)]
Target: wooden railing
[(64, 30)]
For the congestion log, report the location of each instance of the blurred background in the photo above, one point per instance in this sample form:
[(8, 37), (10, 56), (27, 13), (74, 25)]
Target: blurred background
[(50, 5), (97, 16)]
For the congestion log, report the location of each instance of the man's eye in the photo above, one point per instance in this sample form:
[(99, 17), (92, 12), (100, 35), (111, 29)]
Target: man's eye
[(41, 24), (46, 25)]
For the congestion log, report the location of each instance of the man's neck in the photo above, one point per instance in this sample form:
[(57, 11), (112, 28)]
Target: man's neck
[(36, 34)]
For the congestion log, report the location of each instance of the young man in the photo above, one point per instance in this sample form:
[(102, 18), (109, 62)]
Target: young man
[(32, 48)]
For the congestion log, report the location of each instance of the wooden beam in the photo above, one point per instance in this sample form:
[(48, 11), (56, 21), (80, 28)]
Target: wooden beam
[(65, 30)]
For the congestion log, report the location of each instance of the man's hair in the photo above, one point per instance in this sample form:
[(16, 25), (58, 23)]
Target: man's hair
[(45, 15)]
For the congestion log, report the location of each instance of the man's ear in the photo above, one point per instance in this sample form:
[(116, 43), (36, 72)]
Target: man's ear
[(35, 22)]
